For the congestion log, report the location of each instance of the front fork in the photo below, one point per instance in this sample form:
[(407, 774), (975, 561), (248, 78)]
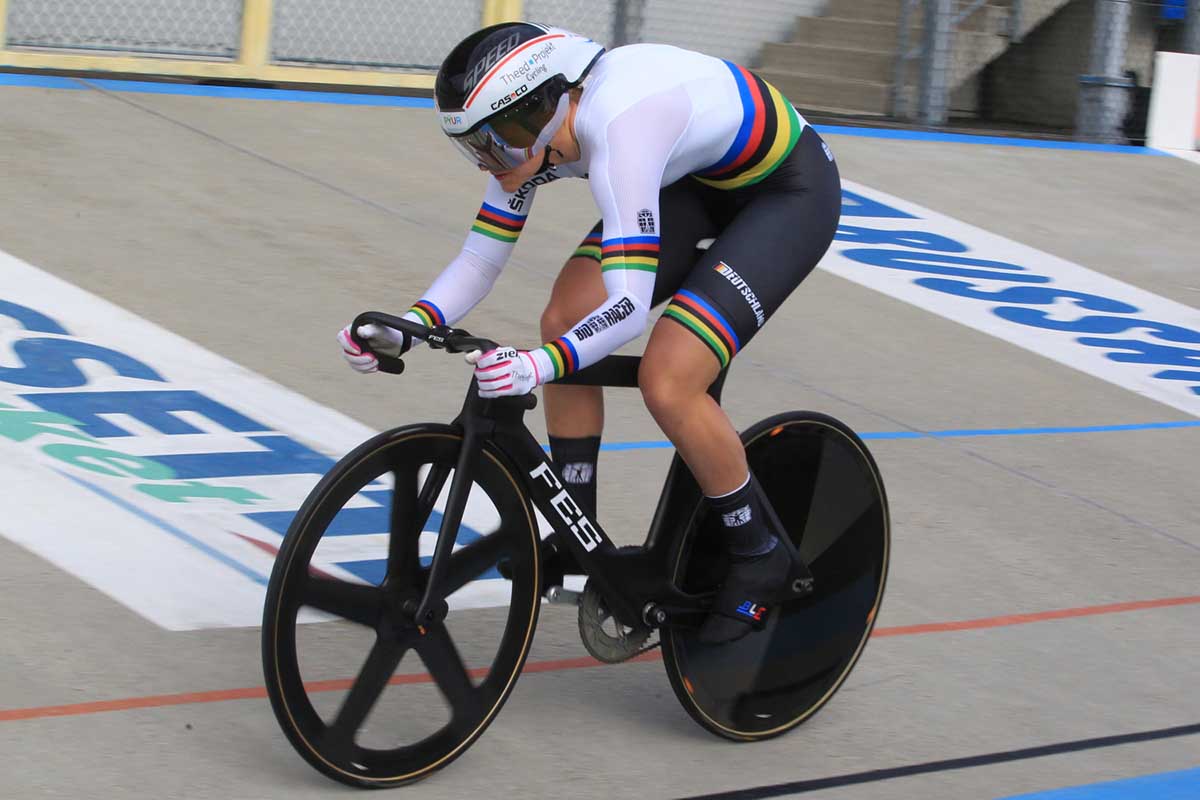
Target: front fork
[(460, 490)]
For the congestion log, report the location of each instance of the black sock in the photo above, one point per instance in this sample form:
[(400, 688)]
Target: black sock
[(576, 463), (745, 524)]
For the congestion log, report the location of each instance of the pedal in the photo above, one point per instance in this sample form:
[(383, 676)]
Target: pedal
[(560, 596), (556, 565)]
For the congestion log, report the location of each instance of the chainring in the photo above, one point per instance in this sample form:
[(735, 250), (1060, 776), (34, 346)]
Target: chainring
[(603, 636)]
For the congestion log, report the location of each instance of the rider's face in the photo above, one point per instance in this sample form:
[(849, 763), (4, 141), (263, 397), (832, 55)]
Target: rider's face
[(564, 148), (512, 179)]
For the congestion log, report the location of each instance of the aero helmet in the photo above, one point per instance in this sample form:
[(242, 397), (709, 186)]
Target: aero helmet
[(501, 94)]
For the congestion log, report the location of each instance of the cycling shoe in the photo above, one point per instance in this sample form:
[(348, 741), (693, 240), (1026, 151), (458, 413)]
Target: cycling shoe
[(745, 598)]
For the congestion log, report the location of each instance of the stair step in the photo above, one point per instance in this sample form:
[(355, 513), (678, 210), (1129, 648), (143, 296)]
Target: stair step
[(991, 18), (813, 59), (823, 91), (875, 10), (846, 33)]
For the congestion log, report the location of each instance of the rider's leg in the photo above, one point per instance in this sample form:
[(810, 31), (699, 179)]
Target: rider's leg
[(782, 227), (675, 374), (574, 414)]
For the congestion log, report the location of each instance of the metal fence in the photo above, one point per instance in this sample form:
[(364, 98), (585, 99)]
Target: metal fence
[(168, 27), (380, 33), (597, 20), (1080, 67), (735, 31), (375, 33)]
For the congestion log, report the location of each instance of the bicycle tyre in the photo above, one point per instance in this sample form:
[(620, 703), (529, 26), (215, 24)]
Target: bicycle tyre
[(827, 492), (327, 747)]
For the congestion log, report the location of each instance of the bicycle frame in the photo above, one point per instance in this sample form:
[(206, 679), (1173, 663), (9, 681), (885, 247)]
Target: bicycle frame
[(630, 580)]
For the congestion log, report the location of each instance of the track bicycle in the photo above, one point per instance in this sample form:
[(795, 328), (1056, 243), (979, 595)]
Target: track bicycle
[(820, 486)]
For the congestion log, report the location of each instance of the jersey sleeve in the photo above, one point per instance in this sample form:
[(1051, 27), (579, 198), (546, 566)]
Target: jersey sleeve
[(628, 156), (469, 277)]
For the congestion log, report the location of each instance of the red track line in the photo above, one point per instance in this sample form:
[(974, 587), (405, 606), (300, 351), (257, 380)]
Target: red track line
[(255, 692), (1041, 616)]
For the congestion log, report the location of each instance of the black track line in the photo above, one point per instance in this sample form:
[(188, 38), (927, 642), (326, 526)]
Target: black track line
[(875, 775)]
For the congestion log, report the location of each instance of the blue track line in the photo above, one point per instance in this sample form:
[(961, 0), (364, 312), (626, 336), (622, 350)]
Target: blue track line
[(39, 81), (258, 93), (200, 90), (971, 138), (183, 536), (356, 99), (1182, 785), (959, 433)]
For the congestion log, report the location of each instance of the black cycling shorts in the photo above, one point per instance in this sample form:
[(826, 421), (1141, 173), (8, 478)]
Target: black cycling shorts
[(769, 236)]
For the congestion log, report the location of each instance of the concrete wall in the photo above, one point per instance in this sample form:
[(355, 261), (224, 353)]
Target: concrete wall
[(1037, 81), (965, 99)]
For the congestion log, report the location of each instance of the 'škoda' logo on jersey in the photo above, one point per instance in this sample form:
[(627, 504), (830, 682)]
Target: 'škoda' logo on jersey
[(572, 515), (517, 201), (605, 319), (730, 275)]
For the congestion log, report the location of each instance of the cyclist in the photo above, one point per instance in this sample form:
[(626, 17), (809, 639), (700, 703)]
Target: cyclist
[(676, 147)]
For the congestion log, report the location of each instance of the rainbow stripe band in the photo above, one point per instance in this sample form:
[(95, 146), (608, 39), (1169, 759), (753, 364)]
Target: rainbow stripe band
[(498, 224), (633, 252), (702, 319), (563, 355), (769, 130), (430, 314), (589, 247)]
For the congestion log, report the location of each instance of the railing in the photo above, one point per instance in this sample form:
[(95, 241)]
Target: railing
[(381, 43), (247, 42), (935, 54)]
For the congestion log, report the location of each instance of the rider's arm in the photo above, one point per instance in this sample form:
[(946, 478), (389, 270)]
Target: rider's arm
[(470, 276), (628, 155)]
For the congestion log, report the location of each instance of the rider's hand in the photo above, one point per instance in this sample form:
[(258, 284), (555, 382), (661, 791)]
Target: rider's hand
[(504, 371), (382, 339)]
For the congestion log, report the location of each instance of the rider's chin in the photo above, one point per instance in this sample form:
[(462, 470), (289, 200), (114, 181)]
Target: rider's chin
[(509, 181)]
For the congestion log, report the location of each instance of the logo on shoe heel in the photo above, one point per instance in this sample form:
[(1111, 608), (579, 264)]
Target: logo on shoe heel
[(752, 610)]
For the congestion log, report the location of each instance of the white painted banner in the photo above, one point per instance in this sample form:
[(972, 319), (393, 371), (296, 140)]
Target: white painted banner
[(1045, 304), (161, 473)]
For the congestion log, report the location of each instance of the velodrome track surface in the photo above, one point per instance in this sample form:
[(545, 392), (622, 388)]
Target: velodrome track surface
[(256, 229)]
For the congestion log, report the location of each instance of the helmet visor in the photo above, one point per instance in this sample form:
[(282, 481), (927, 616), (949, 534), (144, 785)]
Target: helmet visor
[(484, 148), (512, 137)]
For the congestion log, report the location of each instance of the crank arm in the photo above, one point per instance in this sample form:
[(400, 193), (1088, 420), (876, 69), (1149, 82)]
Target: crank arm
[(667, 616)]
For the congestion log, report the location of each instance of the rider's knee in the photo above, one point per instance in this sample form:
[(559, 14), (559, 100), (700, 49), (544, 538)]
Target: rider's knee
[(579, 290), (661, 389), (556, 320)]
